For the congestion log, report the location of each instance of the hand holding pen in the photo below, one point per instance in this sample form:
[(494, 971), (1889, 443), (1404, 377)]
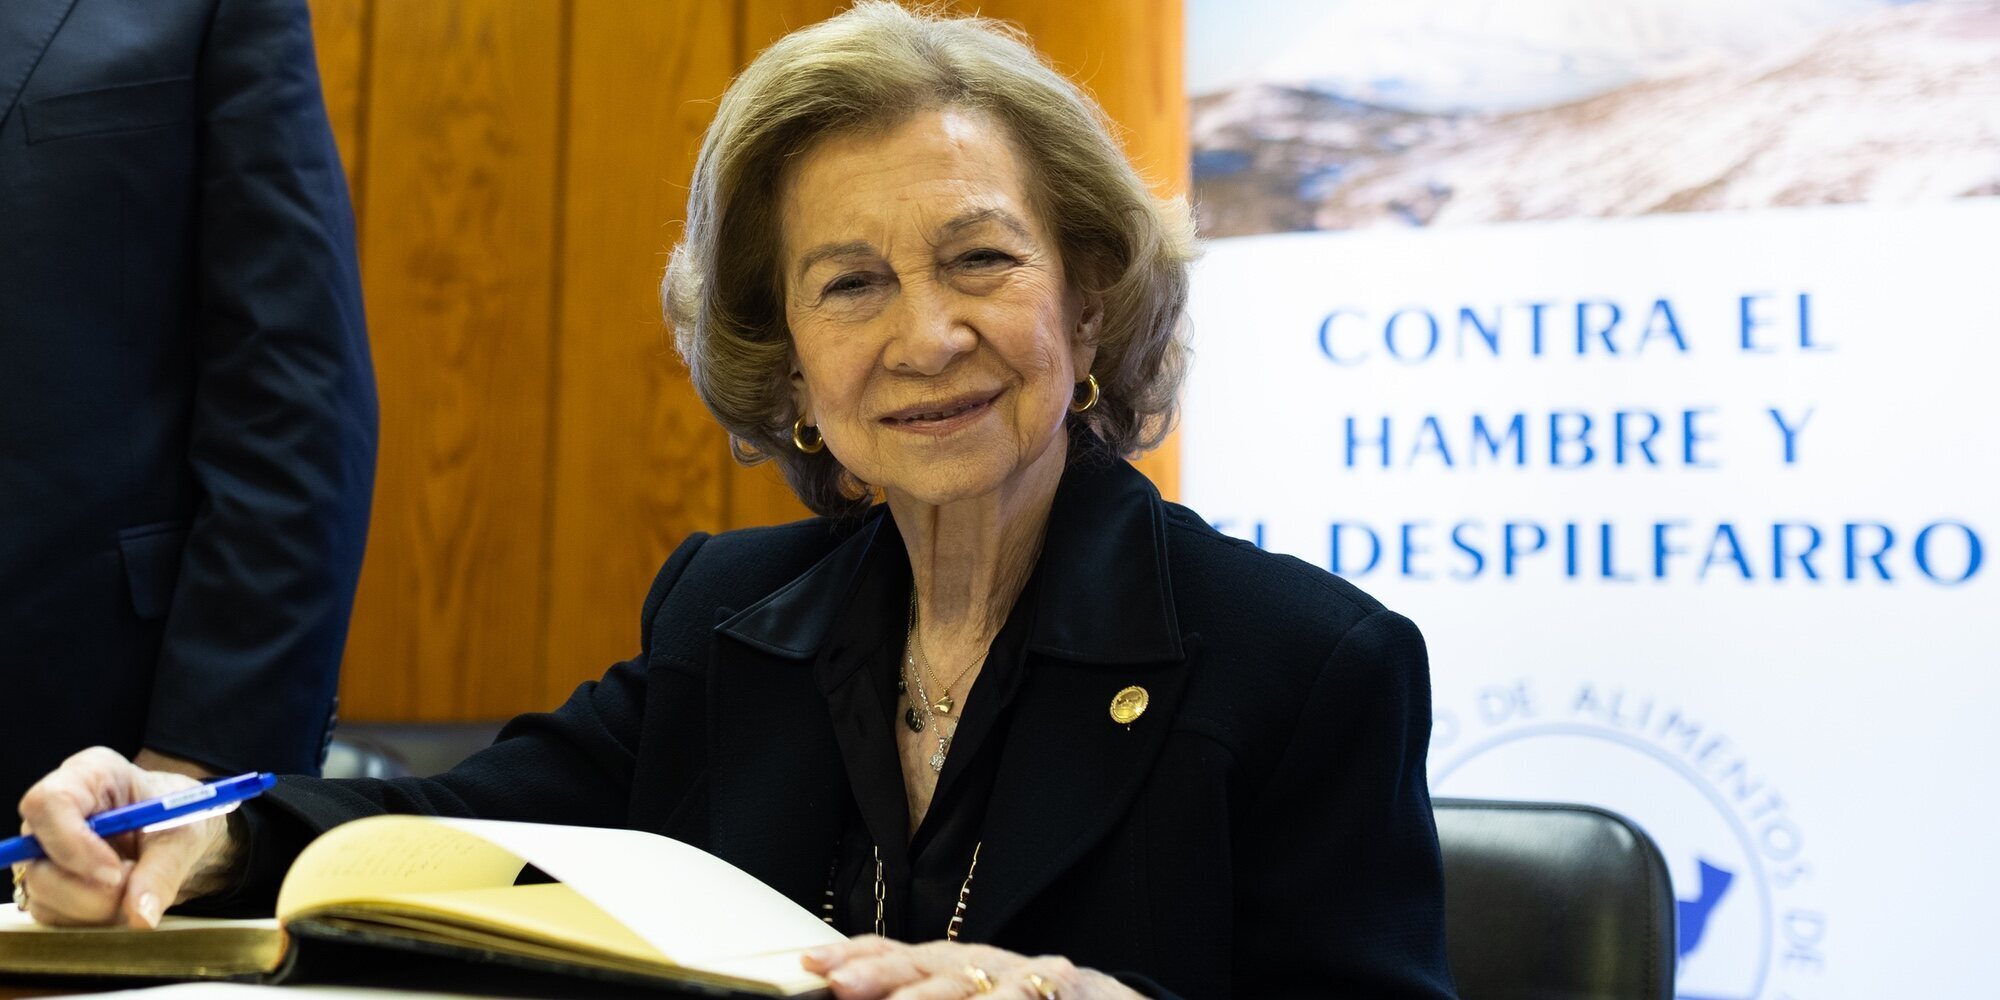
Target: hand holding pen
[(128, 868)]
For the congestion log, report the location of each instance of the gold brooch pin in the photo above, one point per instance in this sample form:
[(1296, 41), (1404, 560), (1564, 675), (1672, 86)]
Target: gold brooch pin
[(1128, 705)]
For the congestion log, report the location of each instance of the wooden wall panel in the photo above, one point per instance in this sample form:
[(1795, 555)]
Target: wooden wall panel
[(766, 21), (461, 133), (340, 34), (639, 463)]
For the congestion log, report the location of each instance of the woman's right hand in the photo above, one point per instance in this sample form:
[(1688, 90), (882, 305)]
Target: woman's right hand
[(130, 879)]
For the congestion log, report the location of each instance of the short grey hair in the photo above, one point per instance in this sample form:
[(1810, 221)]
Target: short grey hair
[(873, 67)]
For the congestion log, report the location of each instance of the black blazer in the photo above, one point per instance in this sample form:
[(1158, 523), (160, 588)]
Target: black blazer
[(1262, 831), (187, 411)]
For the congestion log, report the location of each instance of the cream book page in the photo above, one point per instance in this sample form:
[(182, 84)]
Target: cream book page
[(677, 902)]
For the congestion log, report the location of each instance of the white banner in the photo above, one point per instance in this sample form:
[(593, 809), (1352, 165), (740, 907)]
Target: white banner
[(1697, 513), (1642, 352)]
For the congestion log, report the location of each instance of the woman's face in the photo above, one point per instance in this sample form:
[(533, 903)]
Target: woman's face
[(936, 339)]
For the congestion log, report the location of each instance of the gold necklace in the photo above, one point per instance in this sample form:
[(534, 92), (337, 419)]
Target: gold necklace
[(922, 661), (951, 926), (910, 715)]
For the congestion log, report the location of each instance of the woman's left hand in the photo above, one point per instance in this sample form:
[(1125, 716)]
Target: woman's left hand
[(870, 967)]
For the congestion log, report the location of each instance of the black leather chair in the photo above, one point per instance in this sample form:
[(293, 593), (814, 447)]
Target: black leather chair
[(1548, 901), (400, 749)]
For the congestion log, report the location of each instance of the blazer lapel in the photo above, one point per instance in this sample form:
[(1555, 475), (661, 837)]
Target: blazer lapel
[(26, 26), (1104, 620), (1068, 774), (777, 791)]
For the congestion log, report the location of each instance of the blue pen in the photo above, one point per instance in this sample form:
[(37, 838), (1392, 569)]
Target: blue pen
[(186, 805)]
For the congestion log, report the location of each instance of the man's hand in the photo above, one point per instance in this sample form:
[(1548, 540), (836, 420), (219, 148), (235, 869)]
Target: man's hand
[(131, 879)]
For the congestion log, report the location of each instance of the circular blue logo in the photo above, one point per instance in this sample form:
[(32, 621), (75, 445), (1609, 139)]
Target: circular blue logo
[(1731, 849)]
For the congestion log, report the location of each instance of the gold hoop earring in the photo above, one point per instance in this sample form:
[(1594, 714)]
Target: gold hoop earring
[(1089, 401), (799, 440)]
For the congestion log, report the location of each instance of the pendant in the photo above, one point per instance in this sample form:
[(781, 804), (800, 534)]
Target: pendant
[(943, 706), (937, 759), (913, 720), (902, 686)]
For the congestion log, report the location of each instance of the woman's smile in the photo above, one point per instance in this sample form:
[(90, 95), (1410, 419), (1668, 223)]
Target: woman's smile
[(944, 417)]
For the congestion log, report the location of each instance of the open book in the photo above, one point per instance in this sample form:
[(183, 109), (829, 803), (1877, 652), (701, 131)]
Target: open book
[(628, 906)]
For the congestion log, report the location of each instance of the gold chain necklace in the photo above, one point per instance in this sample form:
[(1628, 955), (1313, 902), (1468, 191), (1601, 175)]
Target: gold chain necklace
[(951, 927), (922, 661), (917, 721), (911, 717)]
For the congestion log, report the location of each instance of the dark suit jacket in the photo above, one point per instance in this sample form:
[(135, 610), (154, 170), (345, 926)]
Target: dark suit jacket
[(1262, 831), (187, 411)]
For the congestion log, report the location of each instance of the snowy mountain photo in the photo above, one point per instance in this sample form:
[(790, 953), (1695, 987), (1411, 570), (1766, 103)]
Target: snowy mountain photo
[(1441, 112)]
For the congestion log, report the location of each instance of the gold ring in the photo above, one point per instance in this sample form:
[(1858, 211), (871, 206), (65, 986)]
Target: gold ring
[(1042, 987), (21, 890), (982, 980)]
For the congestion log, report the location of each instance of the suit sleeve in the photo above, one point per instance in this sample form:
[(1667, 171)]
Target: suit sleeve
[(282, 436), (1343, 885), (574, 765)]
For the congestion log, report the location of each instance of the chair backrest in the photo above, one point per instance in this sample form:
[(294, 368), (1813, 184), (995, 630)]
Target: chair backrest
[(1550, 901), (349, 756), (397, 749)]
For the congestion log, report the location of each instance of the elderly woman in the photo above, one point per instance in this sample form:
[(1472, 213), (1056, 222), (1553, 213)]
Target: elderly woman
[(1023, 707)]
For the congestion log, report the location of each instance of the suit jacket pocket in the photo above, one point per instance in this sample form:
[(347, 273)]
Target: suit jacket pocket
[(107, 110), (153, 565)]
